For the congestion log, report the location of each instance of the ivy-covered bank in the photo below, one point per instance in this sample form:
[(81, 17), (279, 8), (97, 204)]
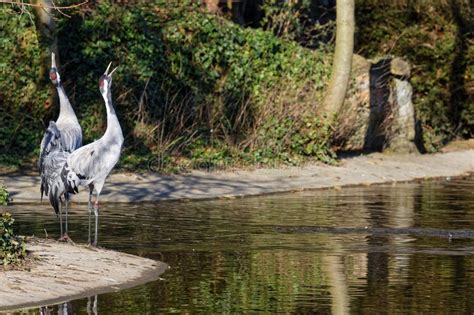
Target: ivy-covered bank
[(191, 87), (12, 247), (195, 89), (4, 195), (435, 37)]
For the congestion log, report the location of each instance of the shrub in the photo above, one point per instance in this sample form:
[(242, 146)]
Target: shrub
[(4, 196), (188, 82), (12, 247), (22, 97)]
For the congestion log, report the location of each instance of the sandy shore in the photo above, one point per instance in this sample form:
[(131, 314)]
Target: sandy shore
[(365, 170), (61, 271)]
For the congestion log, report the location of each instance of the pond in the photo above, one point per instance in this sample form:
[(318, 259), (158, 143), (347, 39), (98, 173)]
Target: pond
[(395, 248)]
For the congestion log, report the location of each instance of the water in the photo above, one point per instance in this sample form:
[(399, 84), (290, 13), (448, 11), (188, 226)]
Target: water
[(401, 248)]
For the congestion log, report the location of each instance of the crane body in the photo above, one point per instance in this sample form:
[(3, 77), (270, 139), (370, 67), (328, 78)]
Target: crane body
[(90, 165), (60, 138)]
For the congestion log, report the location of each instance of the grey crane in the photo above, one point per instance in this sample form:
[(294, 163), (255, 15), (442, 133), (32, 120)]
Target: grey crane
[(91, 164), (62, 136)]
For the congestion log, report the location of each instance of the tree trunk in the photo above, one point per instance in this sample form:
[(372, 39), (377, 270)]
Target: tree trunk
[(212, 5), (342, 63), (333, 267), (46, 31)]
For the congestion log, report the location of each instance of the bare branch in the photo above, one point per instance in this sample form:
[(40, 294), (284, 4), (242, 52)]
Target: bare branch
[(59, 10), (54, 7)]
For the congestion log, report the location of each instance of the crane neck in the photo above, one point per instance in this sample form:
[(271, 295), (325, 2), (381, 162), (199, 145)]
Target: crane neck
[(114, 131), (65, 108)]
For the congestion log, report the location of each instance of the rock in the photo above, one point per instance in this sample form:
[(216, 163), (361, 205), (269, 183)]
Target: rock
[(352, 120), (403, 128), (378, 112), (400, 67)]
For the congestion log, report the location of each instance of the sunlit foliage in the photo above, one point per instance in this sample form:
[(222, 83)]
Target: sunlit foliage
[(191, 86), (12, 247)]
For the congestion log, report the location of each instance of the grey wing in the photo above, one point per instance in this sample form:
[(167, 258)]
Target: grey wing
[(93, 161), (52, 183), (71, 138), (49, 144), (79, 168), (86, 162)]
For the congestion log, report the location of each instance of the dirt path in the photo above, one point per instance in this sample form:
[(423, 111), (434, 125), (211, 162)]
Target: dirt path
[(61, 271), (369, 169)]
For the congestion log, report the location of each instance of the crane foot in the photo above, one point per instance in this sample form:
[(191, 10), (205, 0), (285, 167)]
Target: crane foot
[(66, 238)]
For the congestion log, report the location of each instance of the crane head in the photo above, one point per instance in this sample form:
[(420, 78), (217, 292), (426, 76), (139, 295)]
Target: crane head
[(53, 72), (105, 81)]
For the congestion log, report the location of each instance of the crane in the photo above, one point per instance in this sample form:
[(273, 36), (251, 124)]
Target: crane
[(90, 165), (64, 135)]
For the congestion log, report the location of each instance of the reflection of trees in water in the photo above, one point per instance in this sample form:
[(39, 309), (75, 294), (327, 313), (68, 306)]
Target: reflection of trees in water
[(226, 256), (418, 282), (336, 274), (441, 281)]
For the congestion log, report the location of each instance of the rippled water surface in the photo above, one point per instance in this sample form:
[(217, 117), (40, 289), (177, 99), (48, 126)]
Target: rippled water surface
[(383, 249)]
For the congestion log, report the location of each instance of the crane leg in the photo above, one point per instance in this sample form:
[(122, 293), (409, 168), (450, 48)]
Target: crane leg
[(66, 225), (96, 213), (60, 223), (90, 213), (64, 236)]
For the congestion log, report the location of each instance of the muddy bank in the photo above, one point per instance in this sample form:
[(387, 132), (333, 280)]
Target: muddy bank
[(361, 170), (60, 271)]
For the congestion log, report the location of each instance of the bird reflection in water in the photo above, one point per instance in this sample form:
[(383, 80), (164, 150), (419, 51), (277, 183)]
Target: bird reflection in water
[(92, 305), (66, 308)]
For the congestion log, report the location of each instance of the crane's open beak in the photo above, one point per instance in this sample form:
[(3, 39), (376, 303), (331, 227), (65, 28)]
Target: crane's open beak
[(107, 70), (53, 60), (108, 67), (110, 74)]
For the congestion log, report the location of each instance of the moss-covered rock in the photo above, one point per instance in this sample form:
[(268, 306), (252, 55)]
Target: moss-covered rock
[(435, 37)]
